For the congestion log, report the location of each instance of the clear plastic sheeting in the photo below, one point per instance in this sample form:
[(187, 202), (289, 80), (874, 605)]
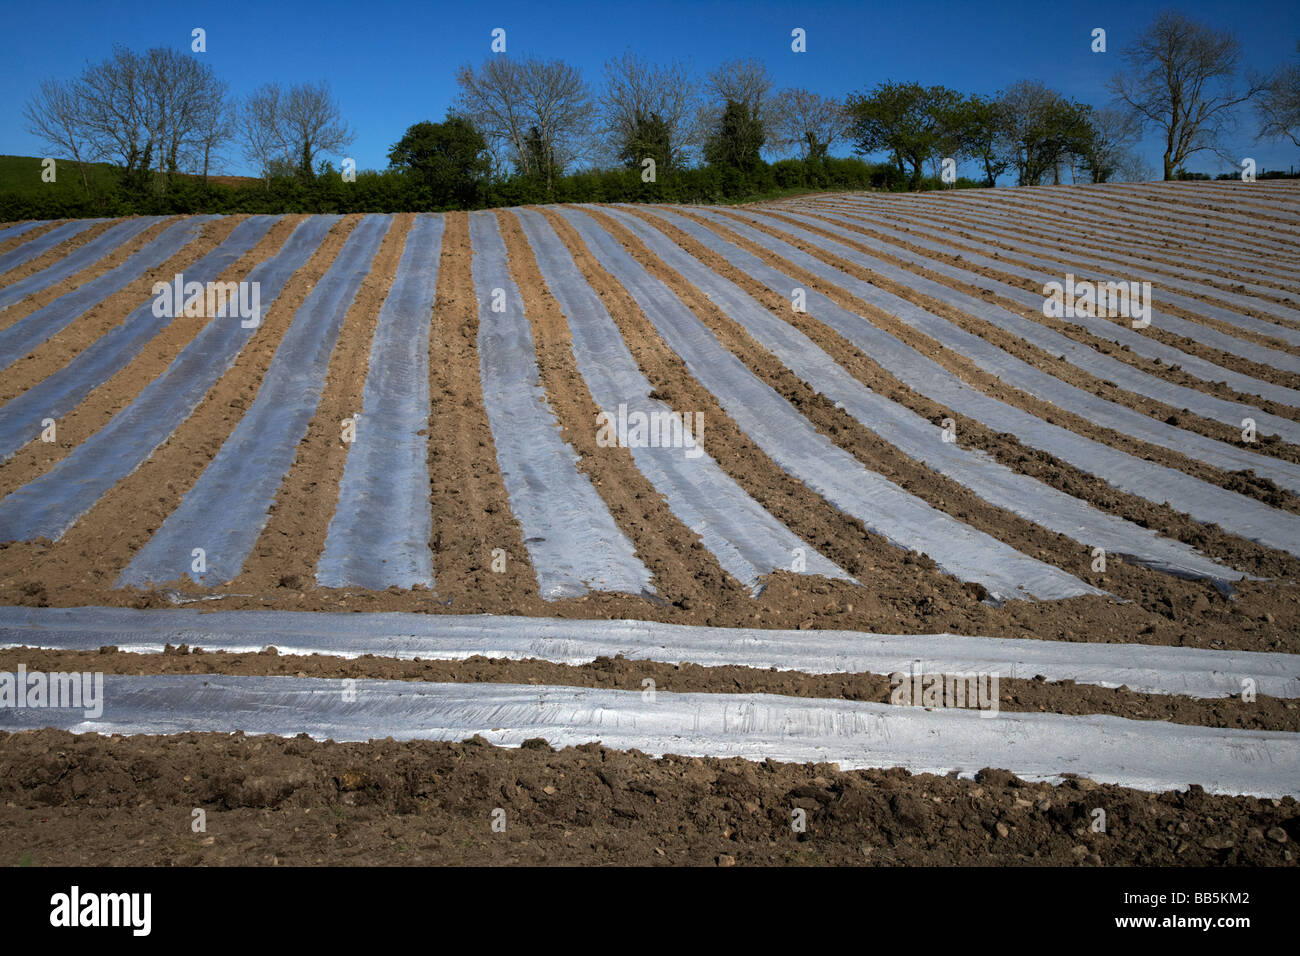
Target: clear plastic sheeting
[(14, 230), (916, 436), (379, 535), (1192, 242), (42, 244), (1201, 500), (1034, 381), (1228, 228), (1202, 334), (573, 541), (20, 419), (80, 258), (49, 505), (1054, 343), (31, 330), (989, 216), (798, 448), (227, 508), (1120, 333), (1088, 267), (746, 540), (1142, 668), (1141, 754), (1274, 201)]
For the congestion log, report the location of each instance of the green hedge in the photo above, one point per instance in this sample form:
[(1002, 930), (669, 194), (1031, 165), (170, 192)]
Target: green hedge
[(394, 191)]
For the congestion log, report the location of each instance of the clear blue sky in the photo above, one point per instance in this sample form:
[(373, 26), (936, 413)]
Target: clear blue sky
[(392, 64)]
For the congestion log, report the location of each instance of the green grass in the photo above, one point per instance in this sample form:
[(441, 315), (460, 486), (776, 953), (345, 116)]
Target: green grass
[(21, 175)]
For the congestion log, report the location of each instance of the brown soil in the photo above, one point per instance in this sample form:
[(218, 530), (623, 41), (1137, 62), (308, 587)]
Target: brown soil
[(294, 537), (32, 303), (7, 245), (965, 368), (899, 593), (1062, 369), (974, 234), (666, 546), (91, 800), (98, 547), (1047, 232), (1223, 359), (58, 252)]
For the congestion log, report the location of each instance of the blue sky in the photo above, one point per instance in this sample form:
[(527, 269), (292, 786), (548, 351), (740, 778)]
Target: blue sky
[(392, 64)]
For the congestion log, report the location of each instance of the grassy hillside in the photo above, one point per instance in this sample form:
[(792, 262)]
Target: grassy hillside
[(21, 175)]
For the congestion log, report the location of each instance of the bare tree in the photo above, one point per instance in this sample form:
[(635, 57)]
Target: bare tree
[(809, 122), (258, 121), (287, 128), (180, 91), (1114, 133), (560, 108), (115, 110), (533, 112), (1021, 110), (638, 93), (1179, 80), (145, 112), (1279, 104), (216, 125), (492, 99), (54, 115), (1133, 168), (746, 82), (313, 123)]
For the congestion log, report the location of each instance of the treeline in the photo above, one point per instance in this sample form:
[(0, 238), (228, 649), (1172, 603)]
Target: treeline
[(400, 191), (528, 130)]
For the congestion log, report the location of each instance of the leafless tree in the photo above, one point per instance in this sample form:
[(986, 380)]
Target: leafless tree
[(560, 106), (491, 97), (216, 125), (313, 123), (180, 92), (54, 115), (635, 91), (1022, 107), (1279, 104), (1115, 131), (1179, 79), (145, 112), (808, 122), (533, 112), (288, 128), (260, 128), (115, 104)]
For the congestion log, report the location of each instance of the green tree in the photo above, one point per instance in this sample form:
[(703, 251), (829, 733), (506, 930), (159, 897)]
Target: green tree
[(650, 137), (448, 161), (972, 129), (905, 119), (1042, 130), (738, 140)]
